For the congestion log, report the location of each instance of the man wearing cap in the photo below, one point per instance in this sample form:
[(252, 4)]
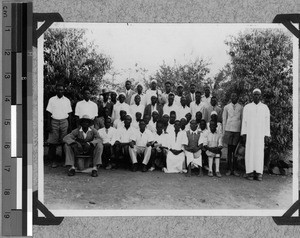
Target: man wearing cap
[(255, 130), (121, 105), (197, 105), (179, 95), (83, 140), (153, 106), (170, 106), (164, 96), (139, 89), (153, 91), (58, 120), (232, 123), (128, 92), (86, 106), (191, 97), (212, 106), (137, 106)]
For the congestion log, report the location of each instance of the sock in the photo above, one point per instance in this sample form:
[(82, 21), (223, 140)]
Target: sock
[(72, 167), (94, 168), (210, 162), (217, 162)]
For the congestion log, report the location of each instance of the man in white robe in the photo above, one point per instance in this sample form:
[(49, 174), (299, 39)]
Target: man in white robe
[(255, 129)]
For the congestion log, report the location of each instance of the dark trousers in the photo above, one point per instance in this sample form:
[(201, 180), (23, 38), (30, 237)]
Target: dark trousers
[(107, 157), (158, 159), (204, 158), (122, 156), (231, 159)]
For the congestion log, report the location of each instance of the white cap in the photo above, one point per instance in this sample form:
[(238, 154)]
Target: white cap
[(213, 113), (257, 90), (153, 80)]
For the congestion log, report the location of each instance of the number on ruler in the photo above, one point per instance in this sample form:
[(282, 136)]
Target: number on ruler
[(7, 99), (4, 11), (6, 146), (7, 168), (7, 52), (7, 76), (7, 192), (7, 215), (7, 123)]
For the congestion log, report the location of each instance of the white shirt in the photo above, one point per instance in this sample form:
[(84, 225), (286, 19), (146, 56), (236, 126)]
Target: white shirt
[(177, 100), (125, 135), (195, 108), (108, 136), (167, 109), (182, 111), (117, 108), (118, 123), (85, 134), (161, 139), (136, 108), (206, 100), (212, 139), (59, 107), (232, 117), (152, 126), (177, 142), (150, 93), (141, 139), (86, 108)]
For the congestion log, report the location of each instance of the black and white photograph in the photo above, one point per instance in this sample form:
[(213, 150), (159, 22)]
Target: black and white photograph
[(188, 119)]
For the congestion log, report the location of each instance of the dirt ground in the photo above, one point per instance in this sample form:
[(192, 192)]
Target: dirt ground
[(123, 189)]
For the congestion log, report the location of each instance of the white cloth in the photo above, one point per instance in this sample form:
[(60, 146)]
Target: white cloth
[(125, 135), (232, 117), (170, 129), (152, 126), (175, 163), (143, 99), (177, 100), (182, 111), (195, 108), (212, 140), (117, 108), (161, 139), (118, 123), (219, 128), (86, 108), (206, 100), (256, 125), (167, 109), (150, 93), (194, 158), (108, 135), (59, 107), (141, 139), (136, 108), (135, 124)]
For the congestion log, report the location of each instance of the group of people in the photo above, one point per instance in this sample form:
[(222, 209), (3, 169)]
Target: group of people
[(172, 132)]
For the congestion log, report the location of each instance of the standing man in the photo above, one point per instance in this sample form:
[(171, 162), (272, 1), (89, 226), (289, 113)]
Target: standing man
[(183, 108), (179, 94), (128, 92), (58, 121), (137, 106), (206, 97), (255, 130), (197, 105), (212, 107), (86, 106), (153, 106), (170, 106), (191, 97), (153, 91), (164, 96), (232, 123), (105, 103), (121, 105), (139, 89)]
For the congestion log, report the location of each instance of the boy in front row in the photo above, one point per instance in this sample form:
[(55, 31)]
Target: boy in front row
[(212, 143)]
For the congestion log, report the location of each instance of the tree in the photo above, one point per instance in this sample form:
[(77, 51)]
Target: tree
[(71, 59), (193, 72), (263, 59)]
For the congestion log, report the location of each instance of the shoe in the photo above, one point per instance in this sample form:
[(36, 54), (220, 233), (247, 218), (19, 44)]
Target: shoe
[(237, 174), (249, 176), (164, 170), (144, 168), (134, 167), (218, 174), (151, 169), (210, 174), (259, 177), (54, 165), (228, 173), (94, 173), (108, 167), (71, 172)]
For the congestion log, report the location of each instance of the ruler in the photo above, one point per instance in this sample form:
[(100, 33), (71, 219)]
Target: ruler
[(17, 64)]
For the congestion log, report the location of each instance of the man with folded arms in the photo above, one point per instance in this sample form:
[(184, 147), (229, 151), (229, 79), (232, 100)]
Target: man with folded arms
[(142, 146), (83, 140)]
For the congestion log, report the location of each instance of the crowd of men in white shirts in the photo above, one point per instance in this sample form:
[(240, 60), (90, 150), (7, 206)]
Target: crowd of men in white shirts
[(172, 132)]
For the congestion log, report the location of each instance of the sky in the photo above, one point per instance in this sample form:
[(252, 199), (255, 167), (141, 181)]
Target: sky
[(131, 46)]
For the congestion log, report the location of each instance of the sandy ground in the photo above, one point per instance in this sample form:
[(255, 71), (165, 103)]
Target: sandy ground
[(123, 189)]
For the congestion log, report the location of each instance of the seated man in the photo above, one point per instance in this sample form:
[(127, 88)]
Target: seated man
[(108, 135), (83, 140), (159, 150), (176, 156), (193, 148), (142, 146), (124, 137)]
